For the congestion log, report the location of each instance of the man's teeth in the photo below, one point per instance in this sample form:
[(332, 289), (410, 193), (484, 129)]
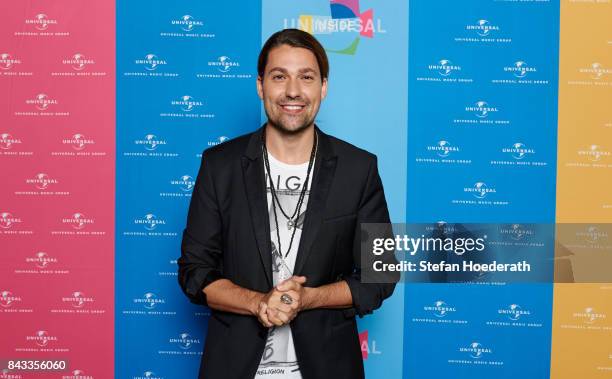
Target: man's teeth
[(293, 107)]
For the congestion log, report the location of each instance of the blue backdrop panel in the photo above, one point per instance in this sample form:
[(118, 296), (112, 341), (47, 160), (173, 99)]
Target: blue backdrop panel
[(185, 82), (481, 148)]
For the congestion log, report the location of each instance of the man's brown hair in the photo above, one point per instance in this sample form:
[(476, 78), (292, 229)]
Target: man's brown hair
[(293, 38)]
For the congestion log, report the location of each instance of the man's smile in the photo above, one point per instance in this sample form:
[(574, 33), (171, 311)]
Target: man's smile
[(292, 108)]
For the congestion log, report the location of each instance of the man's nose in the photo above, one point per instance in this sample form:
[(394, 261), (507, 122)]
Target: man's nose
[(292, 89)]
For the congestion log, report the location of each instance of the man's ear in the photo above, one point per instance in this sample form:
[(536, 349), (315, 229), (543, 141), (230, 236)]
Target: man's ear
[(260, 87), (324, 89)]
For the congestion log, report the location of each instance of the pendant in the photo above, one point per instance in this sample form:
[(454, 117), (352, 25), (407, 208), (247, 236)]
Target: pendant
[(290, 224)]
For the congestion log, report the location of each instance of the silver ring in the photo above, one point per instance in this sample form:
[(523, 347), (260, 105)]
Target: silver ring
[(286, 299)]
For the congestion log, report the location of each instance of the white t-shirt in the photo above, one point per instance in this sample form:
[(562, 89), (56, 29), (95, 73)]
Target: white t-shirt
[(279, 360)]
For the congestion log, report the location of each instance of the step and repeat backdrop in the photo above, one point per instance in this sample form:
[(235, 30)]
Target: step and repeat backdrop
[(479, 111)]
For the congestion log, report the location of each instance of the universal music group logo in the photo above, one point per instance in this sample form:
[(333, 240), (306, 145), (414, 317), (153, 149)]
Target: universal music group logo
[(481, 194), (42, 105), (445, 71), (186, 26), (481, 112), (150, 147), (521, 72), (482, 31), (186, 343), (188, 106), (42, 25), (9, 66), (7, 141), (152, 65), (598, 73), (152, 226), (520, 154), (475, 353), (78, 64), (185, 184), (149, 304), (443, 152), (223, 67), (77, 224), (42, 102), (9, 224)]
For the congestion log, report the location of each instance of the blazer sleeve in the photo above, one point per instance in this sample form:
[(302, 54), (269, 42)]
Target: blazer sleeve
[(372, 209), (201, 249)]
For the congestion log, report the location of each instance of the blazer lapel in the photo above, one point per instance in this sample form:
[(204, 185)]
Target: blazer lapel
[(253, 175), (324, 169)]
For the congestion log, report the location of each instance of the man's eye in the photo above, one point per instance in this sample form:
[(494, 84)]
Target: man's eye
[(278, 77), (308, 77)]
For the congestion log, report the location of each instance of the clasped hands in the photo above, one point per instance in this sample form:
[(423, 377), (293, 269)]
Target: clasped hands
[(272, 311)]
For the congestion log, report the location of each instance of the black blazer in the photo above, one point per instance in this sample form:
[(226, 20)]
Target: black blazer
[(228, 236)]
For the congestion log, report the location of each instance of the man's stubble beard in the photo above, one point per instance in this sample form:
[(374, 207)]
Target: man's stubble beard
[(279, 126)]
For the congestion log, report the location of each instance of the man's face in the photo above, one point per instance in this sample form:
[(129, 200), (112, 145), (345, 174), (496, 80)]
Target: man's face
[(291, 88)]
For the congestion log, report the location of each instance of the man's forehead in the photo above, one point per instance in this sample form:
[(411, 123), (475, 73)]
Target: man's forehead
[(292, 58)]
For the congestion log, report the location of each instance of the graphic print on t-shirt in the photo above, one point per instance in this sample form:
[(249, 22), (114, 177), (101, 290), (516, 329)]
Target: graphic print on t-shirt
[(279, 360)]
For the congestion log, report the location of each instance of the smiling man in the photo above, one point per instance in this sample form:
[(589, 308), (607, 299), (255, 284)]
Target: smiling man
[(272, 242)]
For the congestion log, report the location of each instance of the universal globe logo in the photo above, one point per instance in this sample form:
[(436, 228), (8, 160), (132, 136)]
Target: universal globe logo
[(520, 69), (589, 315), (219, 140), (187, 23), (41, 260), (149, 300), (185, 341), (444, 67), (440, 309), (7, 220), (151, 62), (41, 102), (596, 71), (5, 373), (7, 299), (150, 142), (78, 62), (41, 338), (483, 28), (41, 181), (518, 150), (78, 299), (224, 64), (149, 221), (481, 109), (443, 149), (185, 183), (480, 190), (78, 221), (41, 22), (517, 232), (593, 235), (594, 153), (7, 61), (78, 142), (187, 103), (475, 350), (514, 312), (148, 375), (7, 141), (78, 374)]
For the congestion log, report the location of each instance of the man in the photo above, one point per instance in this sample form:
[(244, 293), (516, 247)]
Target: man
[(272, 242)]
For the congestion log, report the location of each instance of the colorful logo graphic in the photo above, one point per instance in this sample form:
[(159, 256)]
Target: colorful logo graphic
[(345, 19)]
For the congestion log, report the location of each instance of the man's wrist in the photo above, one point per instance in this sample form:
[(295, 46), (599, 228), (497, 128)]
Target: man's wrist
[(308, 298), (254, 302)]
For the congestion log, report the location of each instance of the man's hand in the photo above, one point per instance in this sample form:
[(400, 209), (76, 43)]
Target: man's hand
[(272, 311)]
